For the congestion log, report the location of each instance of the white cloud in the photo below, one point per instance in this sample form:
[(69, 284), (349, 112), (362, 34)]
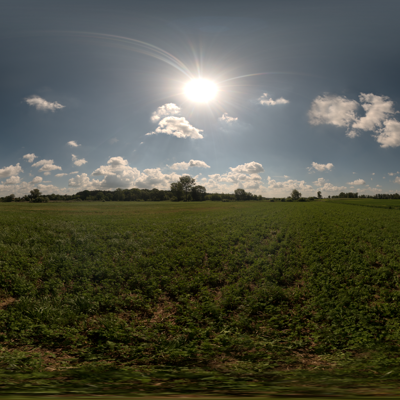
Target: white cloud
[(381, 186), (72, 143), (177, 126), (377, 109), (10, 171), (13, 180), (357, 182), (340, 111), (389, 135), (114, 140), (46, 166), (186, 165), (249, 168), (117, 173), (373, 173), (83, 181), (230, 181), (78, 162), (153, 177), (328, 187), (397, 180), (320, 167), (227, 119), (42, 104), (319, 182), (163, 111), (37, 179), (265, 101), (59, 175), (333, 110), (288, 185), (141, 143), (115, 164), (391, 173), (29, 157)]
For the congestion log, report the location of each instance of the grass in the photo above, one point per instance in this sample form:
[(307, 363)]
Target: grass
[(227, 298)]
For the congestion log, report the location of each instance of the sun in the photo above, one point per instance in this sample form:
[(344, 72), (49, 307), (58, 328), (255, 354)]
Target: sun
[(201, 90)]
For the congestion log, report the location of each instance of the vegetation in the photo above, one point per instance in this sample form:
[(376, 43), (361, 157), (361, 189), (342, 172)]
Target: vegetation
[(175, 293)]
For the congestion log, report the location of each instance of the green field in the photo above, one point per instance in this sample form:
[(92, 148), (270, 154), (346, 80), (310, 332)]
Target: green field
[(381, 203), (239, 297)]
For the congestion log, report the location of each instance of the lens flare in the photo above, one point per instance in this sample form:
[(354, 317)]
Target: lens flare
[(201, 90)]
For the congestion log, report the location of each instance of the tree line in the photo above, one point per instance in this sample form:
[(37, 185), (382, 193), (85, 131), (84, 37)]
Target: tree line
[(185, 189), (352, 195)]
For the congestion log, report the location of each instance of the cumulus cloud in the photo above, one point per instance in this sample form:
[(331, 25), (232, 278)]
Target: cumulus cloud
[(186, 165), (290, 184), (357, 182), (42, 104), (341, 112), (177, 126), (13, 180), (72, 143), (389, 135), (328, 187), (165, 110), (59, 175), (319, 182), (333, 110), (397, 180), (117, 173), (78, 162), (83, 181), (37, 179), (10, 171), (46, 166), (240, 176), (227, 119), (74, 172), (265, 101), (29, 157), (377, 109), (320, 167), (153, 177), (248, 168)]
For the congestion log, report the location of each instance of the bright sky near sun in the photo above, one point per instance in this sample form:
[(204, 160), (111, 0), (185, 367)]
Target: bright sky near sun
[(268, 96)]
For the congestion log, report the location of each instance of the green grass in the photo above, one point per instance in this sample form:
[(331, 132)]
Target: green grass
[(241, 297), (377, 203)]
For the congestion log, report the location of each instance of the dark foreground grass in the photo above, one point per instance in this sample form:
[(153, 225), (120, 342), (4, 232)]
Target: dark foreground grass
[(218, 298)]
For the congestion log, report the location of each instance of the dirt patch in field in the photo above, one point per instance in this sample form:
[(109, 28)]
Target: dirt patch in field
[(6, 302)]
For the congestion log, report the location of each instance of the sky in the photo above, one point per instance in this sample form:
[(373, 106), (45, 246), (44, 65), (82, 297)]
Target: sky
[(268, 96)]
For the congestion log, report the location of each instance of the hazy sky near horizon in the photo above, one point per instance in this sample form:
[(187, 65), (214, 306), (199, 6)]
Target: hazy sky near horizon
[(93, 95)]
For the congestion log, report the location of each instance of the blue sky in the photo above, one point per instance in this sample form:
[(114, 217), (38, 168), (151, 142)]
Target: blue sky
[(93, 95)]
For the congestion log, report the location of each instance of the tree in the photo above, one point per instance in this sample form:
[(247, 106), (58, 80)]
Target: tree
[(187, 183), (35, 193), (295, 195), (319, 194), (177, 190), (10, 198), (198, 193), (240, 194)]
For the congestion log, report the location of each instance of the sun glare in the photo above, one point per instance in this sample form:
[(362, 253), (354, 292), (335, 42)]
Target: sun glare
[(201, 90)]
